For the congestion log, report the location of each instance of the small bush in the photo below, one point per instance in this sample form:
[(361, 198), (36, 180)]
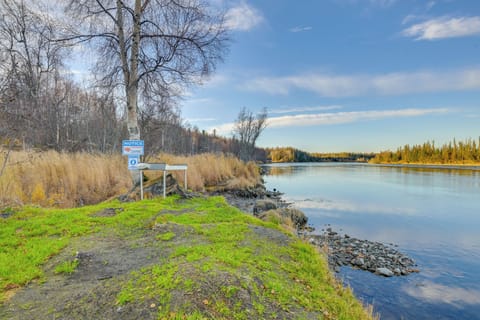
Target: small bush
[(67, 267)]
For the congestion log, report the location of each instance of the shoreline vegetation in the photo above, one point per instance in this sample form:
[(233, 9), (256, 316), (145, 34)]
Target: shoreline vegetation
[(289, 154), (64, 180), (473, 165), (455, 152), (193, 257)]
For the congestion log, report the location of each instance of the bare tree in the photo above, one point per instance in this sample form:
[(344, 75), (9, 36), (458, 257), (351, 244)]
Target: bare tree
[(247, 129), (149, 46), (28, 61)]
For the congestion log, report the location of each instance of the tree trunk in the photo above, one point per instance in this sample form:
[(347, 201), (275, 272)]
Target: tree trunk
[(130, 72), (132, 90), (132, 119)]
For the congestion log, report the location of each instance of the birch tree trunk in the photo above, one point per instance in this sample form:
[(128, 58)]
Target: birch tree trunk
[(130, 70)]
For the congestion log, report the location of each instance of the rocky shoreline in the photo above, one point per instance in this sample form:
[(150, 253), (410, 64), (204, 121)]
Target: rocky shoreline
[(375, 257), (342, 250)]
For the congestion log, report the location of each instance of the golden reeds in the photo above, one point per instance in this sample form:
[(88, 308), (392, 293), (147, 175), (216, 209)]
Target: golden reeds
[(59, 179), (73, 179), (211, 170)]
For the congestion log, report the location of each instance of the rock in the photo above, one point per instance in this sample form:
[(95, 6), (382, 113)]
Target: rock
[(363, 254), (360, 262), (384, 272), (298, 217), (263, 205)]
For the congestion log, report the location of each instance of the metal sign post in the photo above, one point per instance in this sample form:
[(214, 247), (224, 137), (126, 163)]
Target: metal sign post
[(164, 183), (141, 184)]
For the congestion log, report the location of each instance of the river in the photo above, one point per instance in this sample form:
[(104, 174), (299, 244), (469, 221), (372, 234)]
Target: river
[(431, 214)]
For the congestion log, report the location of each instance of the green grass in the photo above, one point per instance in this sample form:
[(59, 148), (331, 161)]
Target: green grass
[(166, 236), (292, 276), (227, 254), (31, 236), (66, 267)]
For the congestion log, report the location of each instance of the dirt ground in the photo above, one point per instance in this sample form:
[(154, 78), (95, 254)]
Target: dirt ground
[(105, 264)]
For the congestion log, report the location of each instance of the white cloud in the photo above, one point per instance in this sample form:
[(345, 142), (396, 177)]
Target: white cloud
[(223, 129), (300, 29), (358, 85), (200, 119), (243, 17), (215, 80), (444, 27), (347, 117), (303, 109), (437, 293), (332, 118)]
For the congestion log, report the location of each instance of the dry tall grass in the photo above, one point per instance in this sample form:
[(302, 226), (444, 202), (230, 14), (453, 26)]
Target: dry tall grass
[(63, 180), (211, 170), (68, 180)]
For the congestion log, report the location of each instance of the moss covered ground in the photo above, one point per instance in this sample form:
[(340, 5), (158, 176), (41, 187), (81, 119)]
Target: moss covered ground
[(162, 259)]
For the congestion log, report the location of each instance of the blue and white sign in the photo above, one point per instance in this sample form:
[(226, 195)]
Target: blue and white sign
[(132, 162), (133, 147)]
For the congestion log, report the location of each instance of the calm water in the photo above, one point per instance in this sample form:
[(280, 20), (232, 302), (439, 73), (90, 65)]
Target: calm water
[(433, 215)]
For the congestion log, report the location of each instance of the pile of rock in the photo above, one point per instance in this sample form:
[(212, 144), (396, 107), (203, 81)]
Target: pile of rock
[(371, 256), (247, 199), (267, 209)]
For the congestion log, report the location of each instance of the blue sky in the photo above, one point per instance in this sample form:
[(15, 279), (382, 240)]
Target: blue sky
[(347, 75)]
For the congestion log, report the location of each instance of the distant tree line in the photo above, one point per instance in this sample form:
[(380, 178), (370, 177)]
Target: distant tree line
[(289, 154), (453, 152)]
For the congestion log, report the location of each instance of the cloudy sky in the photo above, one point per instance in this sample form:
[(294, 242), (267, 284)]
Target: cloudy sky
[(347, 75)]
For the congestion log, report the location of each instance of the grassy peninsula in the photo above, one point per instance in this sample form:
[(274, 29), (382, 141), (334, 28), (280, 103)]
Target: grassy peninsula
[(162, 259), (63, 256)]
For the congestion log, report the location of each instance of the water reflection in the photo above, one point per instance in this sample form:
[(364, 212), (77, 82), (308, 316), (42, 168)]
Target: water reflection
[(349, 206), (437, 293), (450, 170), (430, 213), (277, 170), (297, 168)]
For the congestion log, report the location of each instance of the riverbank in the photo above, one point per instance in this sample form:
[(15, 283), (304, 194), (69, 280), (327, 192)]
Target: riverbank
[(470, 166), (173, 258), (342, 250)]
